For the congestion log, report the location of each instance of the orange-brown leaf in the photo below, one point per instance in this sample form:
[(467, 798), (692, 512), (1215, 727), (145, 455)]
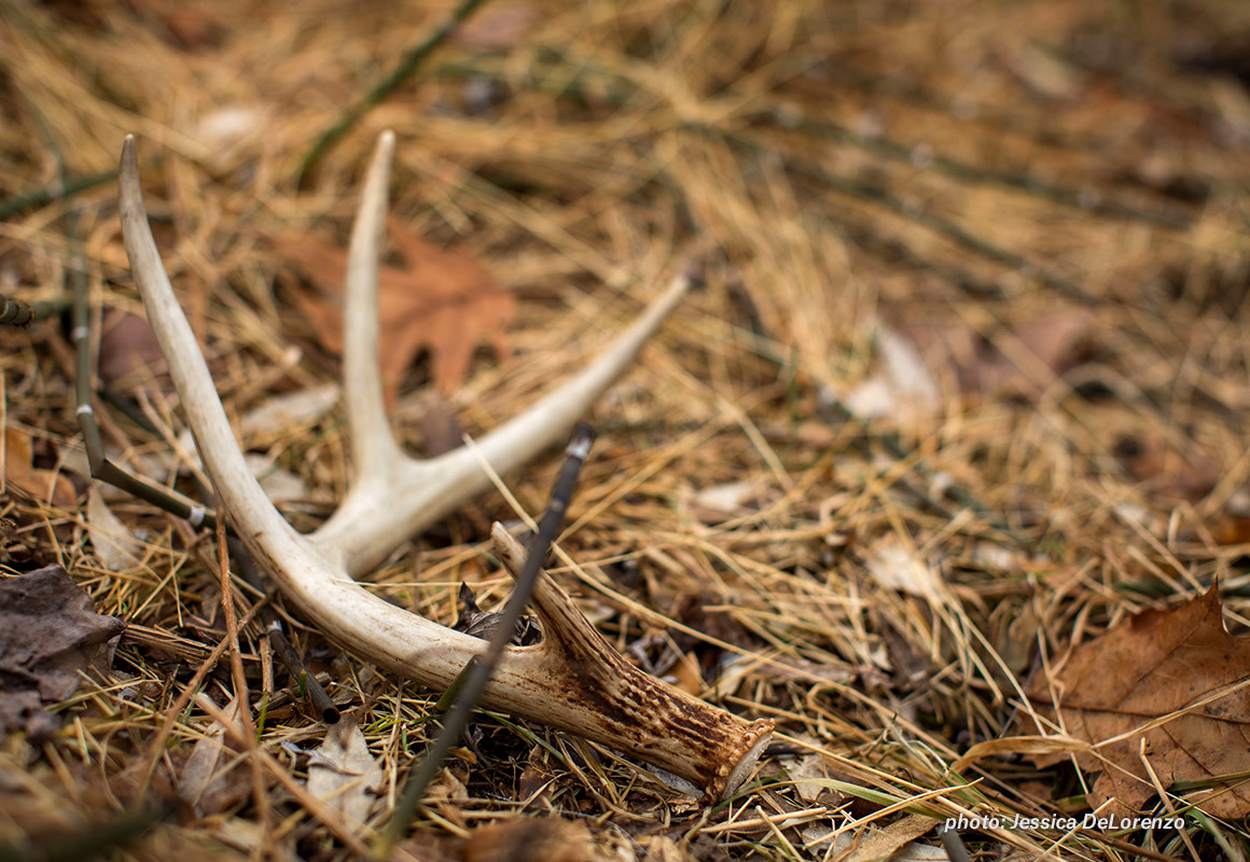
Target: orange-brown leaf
[(442, 300), (43, 485), (1157, 664)]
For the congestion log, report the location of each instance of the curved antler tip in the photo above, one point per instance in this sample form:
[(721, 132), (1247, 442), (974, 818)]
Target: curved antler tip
[(387, 138), (129, 160)]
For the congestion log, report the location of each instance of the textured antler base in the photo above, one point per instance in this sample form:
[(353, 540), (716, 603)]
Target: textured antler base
[(619, 705)]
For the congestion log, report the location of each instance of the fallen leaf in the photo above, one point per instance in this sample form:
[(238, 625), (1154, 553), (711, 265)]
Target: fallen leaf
[(48, 633), (440, 429), (227, 125), (127, 346), (443, 300), (279, 484), (688, 676), (115, 545), (662, 849), (472, 620), (898, 567), (529, 839), (716, 503), (500, 25), (343, 774), (883, 843), (810, 774), (1046, 344), (904, 388), (1157, 663), (47, 486), (201, 784), (271, 419)]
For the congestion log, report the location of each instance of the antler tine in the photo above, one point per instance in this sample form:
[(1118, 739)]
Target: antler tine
[(374, 520), (214, 439), (374, 450)]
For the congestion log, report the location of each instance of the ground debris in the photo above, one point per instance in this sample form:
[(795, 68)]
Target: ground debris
[(48, 634)]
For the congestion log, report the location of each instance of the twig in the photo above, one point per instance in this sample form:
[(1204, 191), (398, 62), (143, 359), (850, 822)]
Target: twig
[(259, 797), (295, 667), (476, 674), (55, 191), (406, 68), (14, 312)]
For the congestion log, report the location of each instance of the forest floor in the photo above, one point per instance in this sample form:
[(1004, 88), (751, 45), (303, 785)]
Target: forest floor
[(945, 470)]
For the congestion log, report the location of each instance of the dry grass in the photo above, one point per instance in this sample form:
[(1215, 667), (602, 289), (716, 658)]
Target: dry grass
[(580, 159)]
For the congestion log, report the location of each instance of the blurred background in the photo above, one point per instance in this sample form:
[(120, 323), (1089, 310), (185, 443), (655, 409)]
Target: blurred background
[(976, 277)]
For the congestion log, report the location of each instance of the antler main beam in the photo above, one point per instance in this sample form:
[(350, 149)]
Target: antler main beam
[(572, 679)]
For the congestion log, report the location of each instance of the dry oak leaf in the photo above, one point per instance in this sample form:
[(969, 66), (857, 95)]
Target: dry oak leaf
[(442, 299), (1133, 683)]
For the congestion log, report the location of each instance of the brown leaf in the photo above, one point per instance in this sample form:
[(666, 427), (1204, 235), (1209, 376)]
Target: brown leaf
[(127, 346), (47, 486), (442, 299), (1052, 342), (440, 429), (499, 25), (529, 839), (48, 633), (1152, 666), (1165, 469)]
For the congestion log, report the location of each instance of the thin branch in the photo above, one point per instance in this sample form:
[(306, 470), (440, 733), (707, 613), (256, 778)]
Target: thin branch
[(14, 312), (301, 679), (405, 70), (259, 797), (54, 191), (477, 673)]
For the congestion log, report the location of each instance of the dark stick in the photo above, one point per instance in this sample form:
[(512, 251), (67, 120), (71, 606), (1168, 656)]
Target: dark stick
[(58, 190), (409, 65), (14, 312), (295, 667), (477, 673), (954, 845)]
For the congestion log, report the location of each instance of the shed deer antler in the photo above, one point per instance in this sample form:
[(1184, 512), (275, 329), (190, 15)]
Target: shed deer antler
[(572, 679)]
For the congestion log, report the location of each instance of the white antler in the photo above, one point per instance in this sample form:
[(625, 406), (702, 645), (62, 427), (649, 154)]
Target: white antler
[(573, 679)]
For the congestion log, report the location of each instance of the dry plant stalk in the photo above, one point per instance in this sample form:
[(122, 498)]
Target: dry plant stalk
[(573, 680)]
